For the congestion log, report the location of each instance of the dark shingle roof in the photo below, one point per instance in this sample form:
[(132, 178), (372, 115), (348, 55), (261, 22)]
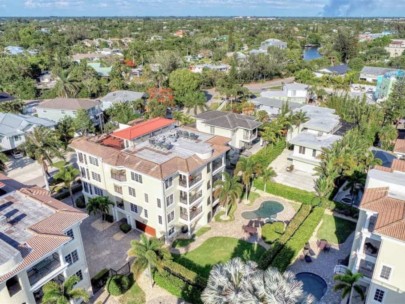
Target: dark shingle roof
[(339, 69), (228, 120)]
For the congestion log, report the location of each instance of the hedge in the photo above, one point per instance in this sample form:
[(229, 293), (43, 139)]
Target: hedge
[(119, 284), (125, 227), (269, 255), (298, 240), (177, 287), (269, 153), (272, 232), (185, 274)]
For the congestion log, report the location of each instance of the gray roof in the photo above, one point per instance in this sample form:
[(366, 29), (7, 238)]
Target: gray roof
[(5, 97), (313, 141), (18, 124), (122, 96), (68, 104), (275, 103), (338, 69), (320, 119), (295, 86), (376, 71), (228, 120)]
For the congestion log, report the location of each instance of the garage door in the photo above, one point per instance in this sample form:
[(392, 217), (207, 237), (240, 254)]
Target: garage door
[(145, 228)]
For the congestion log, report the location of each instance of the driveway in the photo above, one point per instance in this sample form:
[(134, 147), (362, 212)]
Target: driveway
[(105, 244)]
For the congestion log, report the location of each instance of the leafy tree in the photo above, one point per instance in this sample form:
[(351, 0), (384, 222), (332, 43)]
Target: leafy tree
[(14, 106), (82, 122), (68, 175), (65, 130), (149, 253), (184, 82), (99, 204), (168, 61), (155, 109), (64, 293), (162, 95), (346, 44), (387, 136), (3, 161), (184, 119), (67, 85), (122, 112), (228, 191), (195, 101), (43, 145), (347, 283), (394, 106), (262, 116)]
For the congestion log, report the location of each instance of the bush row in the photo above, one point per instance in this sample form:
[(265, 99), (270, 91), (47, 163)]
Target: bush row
[(269, 153), (185, 274), (178, 287), (302, 235), (267, 257)]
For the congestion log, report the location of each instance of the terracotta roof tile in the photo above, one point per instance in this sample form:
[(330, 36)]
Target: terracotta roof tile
[(398, 165), (399, 146), (143, 128), (58, 222)]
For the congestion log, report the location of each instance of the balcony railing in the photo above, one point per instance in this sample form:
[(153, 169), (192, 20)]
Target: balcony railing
[(192, 197), (193, 214), (216, 164), (43, 268), (192, 180), (216, 178), (119, 177), (371, 247), (366, 268)]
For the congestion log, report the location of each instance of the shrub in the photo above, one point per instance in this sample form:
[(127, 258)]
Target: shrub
[(100, 276), (185, 274), (269, 153), (271, 232), (80, 202), (119, 284), (125, 227), (294, 245)]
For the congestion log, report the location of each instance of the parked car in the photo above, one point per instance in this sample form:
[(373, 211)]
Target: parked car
[(17, 154)]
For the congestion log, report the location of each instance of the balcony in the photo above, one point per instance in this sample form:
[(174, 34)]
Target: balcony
[(250, 135), (371, 224), (119, 175), (192, 180), (194, 212), (216, 178), (50, 266), (371, 247), (192, 197), (120, 204), (216, 164), (366, 268)]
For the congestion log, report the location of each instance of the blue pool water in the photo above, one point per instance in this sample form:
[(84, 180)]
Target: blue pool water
[(313, 284), (311, 53), (268, 209)]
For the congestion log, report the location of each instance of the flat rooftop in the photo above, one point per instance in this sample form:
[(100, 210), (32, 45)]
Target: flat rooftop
[(313, 141), (320, 119)]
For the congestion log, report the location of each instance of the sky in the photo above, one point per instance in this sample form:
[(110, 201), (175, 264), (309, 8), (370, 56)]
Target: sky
[(282, 8)]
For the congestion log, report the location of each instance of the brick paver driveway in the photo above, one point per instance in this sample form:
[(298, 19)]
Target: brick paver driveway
[(105, 245)]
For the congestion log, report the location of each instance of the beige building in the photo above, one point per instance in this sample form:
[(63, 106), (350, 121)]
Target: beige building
[(40, 241), (242, 129), (379, 245), (396, 48), (159, 176)]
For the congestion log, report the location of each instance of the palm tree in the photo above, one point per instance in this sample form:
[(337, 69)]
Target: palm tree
[(184, 119), (271, 132), (150, 253), (267, 175), (248, 167), (3, 160), (228, 191), (323, 188), (68, 175), (195, 101), (347, 282), (66, 86), (355, 183), (299, 118), (242, 282), (99, 204), (64, 293), (43, 145)]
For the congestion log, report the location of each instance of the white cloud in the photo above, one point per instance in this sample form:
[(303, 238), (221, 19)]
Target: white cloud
[(53, 3)]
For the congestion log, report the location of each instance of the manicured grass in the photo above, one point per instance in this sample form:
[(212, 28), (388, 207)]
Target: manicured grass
[(179, 243), (272, 232), (218, 250), (295, 205), (202, 230), (334, 229), (134, 295), (231, 214)]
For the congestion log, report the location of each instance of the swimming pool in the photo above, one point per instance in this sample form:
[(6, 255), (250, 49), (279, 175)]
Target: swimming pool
[(267, 209), (313, 284)]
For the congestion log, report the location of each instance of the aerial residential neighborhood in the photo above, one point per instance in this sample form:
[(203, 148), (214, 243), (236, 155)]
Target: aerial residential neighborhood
[(248, 153)]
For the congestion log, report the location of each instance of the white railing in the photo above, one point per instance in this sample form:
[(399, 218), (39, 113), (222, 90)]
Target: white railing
[(340, 269)]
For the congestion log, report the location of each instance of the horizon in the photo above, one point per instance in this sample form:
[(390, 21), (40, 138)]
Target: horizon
[(207, 8)]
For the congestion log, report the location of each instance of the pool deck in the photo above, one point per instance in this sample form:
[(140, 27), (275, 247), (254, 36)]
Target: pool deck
[(285, 215), (323, 264)]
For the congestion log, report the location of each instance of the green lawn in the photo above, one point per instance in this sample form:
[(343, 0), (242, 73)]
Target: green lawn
[(335, 230), (218, 250), (134, 295), (185, 242)]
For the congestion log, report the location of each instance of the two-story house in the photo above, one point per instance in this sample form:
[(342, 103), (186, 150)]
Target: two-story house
[(120, 97), (40, 241), (159, 176), (291, 92), (58, 108), (242, 129), (379, 244)]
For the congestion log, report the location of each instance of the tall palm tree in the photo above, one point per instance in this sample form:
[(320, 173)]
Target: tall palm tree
[(355, 183), (64, 293), (66, 86), (299, 118), (150, 253), (99, 204), (347, 283), (228, 191), (271, 132), (242, 282), (248, 167), (43, 145), (323, 188), (182, 118), (267, 175), (68, 175), (195, 101)]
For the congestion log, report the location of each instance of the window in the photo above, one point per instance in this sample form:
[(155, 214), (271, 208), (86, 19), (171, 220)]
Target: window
[(302, 150), (209, 200), (171, 230), (80, 157), (209, 168), (98, 191), (169, 200), (72, 257), (146, 198), (159, 203), (168, 182), (86, 187), (160, 219), (93, 160), (131, 191), (212, 130), (69, 233), (313, 153), (79, 275), (170, 217), (136, 177), (379, 295), (209, 185), (13, 286), (145, 212), (385, 272), (96, 176), (118, 189), (134, 208), (83, 172), (17, 138)]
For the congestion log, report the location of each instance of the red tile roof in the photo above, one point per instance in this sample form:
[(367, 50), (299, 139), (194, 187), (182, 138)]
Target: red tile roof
[(143, 128), (399, 146)]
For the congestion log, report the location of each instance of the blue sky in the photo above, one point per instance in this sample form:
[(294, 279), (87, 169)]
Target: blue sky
[(328, 8)]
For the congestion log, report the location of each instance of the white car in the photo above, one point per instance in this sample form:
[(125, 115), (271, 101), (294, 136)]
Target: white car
[(17, 154)]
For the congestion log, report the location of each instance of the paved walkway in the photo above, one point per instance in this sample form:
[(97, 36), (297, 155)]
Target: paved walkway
[(323, 264), (234, 228)]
